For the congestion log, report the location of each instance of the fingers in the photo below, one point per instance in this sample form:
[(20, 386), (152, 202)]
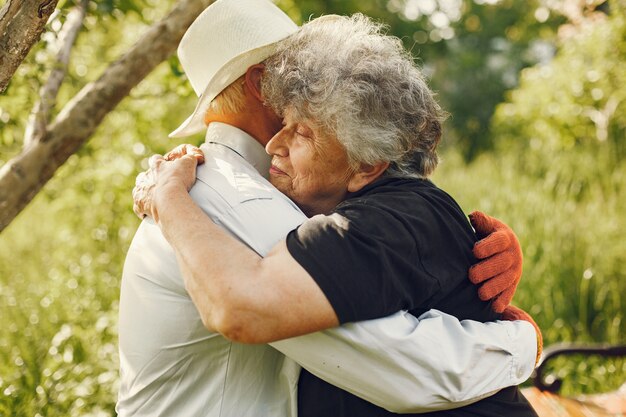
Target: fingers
[(185, 149), (144, 184), (491, 267), (496, 242), (138, 211), (178, 166), (481, 223), (142, 178), (175, 153), (181, 171), (501, 302), (142, 198), (484, 224), (185, 166), (501, 267), (196, 153), (497, 285), (138, 207), (154, 161)]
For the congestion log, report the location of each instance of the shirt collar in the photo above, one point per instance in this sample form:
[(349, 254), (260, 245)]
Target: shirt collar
[(242, 143)]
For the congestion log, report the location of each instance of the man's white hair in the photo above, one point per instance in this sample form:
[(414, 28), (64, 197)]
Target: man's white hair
[(361, 86)]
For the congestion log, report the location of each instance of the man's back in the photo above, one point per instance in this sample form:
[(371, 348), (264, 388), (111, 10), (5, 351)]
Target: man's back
[(170, 363)]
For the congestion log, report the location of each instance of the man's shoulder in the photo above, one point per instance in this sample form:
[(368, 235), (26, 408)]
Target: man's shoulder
[(227, 174), (233, 193)]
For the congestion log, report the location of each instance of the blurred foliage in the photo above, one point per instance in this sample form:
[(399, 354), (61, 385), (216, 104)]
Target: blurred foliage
[(574, 252), (554, 171), (472, 50), (575, 104), (558, 178)]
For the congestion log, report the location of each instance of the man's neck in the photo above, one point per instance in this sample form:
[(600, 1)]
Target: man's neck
[(246, 121)]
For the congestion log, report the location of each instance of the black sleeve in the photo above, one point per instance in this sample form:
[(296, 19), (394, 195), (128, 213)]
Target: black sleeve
[(364, 260)]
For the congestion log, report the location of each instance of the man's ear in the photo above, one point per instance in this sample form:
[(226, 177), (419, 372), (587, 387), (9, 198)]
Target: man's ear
[(366, 174), (253, 80)]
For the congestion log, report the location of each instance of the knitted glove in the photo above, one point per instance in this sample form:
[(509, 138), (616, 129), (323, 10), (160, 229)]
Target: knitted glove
[(500, 270), (512, 313)]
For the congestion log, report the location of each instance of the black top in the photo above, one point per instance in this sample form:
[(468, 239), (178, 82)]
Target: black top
[(396, 244)]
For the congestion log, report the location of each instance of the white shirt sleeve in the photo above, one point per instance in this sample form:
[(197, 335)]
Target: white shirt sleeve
[(411, 365), (401, 363)]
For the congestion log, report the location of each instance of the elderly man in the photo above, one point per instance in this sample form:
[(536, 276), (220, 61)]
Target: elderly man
[(171, 365)]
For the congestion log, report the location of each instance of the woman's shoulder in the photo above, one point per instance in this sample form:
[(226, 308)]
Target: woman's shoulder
[(398, 193), (416, 201)]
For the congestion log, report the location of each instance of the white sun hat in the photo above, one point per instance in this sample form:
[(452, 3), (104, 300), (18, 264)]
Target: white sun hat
[(228, 37)]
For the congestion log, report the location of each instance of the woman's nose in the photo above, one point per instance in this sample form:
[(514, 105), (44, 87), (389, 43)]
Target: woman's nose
[(277, 144)]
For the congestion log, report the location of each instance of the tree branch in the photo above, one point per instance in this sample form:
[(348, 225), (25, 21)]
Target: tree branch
[(23, 176), (40, 116), (8, 12), (21, 24)]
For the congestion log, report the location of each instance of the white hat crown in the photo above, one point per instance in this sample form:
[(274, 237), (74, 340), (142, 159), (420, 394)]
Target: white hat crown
[(225, 39)]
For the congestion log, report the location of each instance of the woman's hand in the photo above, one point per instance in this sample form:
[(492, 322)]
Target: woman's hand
[(176, 169)]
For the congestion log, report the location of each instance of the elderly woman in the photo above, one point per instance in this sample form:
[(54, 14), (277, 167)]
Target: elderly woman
[(359, 141)]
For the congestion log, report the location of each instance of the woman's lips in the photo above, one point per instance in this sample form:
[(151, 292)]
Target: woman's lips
[(276, 171)]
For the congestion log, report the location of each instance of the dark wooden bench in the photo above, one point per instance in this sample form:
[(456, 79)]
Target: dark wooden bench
[(547, 402)]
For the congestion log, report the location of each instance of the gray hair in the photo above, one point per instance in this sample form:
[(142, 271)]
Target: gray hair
[(361, 86)]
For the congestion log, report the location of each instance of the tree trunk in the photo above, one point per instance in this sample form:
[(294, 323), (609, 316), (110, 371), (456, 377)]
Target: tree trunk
[(23, 176), (21, 24), (40, 116)]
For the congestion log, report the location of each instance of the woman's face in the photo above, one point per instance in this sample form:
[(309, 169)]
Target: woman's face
[(308, 166)]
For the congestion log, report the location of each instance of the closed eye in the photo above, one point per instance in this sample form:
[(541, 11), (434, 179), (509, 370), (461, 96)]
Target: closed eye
[(302, 133)]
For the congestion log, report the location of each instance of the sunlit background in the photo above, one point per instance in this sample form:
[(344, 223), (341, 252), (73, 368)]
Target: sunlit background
[(536, 92)]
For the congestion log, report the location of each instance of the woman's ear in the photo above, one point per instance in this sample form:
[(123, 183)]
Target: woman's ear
[(253, 80), (366, 174)]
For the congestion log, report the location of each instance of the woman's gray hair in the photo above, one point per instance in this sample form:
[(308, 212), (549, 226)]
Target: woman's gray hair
[(361, 86)]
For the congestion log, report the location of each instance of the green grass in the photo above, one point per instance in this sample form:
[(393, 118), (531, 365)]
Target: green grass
[(60, 265), (570, 222)]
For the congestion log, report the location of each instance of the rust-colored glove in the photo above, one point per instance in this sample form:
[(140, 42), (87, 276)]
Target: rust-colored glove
[(512, 313), (501, 258)]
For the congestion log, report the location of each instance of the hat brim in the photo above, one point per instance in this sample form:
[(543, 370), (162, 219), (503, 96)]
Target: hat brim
[(225, 76)]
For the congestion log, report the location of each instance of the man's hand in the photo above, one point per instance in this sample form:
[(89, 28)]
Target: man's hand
[(176, 168), (500, 270), (512, 313)]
